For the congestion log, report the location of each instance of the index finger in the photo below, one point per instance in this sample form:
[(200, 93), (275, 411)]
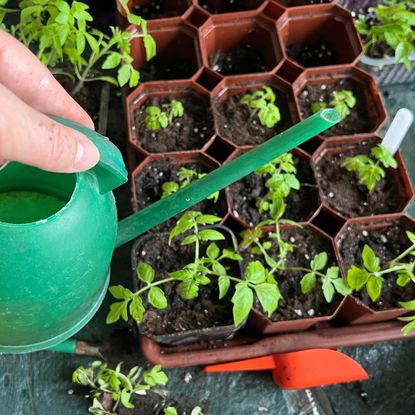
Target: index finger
[(23, 74)]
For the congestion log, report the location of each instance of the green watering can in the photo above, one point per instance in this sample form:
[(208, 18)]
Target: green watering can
[(58, 233)]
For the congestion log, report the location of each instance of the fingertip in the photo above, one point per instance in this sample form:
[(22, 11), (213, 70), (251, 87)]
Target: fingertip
[(87, 155)]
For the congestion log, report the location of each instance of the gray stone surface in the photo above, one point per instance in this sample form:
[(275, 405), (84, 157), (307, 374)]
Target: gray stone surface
[(37, 384)]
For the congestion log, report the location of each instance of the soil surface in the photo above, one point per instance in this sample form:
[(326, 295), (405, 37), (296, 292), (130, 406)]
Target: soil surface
[(236, 121), (388, 243), (158, 9), (243, 59), (341, 191), (313, 54), (300, 203), (228, 6), (167, 68), (359, 120), (294, 305), (149, 189), (190, 132), (206, 311)]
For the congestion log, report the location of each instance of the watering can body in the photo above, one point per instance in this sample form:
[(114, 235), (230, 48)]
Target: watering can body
[(54, 272)]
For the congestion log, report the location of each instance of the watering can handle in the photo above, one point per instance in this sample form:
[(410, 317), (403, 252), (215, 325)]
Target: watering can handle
[(110, 170), (159, 212)]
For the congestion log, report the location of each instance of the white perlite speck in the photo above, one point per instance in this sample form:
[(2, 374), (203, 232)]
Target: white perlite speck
[(365, 233), (187, 377), (383, 238), (311, 312), (298, 312), (331, 194)]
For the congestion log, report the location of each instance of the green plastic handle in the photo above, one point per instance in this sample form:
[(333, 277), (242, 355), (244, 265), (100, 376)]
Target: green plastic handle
[(159, 212)]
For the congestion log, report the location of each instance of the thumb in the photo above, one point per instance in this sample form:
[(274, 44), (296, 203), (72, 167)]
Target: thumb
[(29, 137)]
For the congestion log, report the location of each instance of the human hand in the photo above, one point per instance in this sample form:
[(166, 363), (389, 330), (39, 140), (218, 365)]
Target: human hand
[(28, 91)]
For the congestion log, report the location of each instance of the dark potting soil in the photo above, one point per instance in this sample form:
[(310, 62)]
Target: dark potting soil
[(149, 189), (300, 203), (294, 305), (228, 6), (313, 54), (189, 132), (167, 68), (158, 9), (387, 242), (243, 59), (359, 120), (235, 120), (206, 311), (341, 191)]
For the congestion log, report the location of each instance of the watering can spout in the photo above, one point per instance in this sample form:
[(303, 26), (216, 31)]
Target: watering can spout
[(159, 212)]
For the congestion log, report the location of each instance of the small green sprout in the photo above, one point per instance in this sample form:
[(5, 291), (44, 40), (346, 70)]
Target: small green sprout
[(197, 410), (331, 281), (369, 171), (371, 274), (342, 101), (101, 380), (185, 177), (162, 117), (395, 28), (262, 103)]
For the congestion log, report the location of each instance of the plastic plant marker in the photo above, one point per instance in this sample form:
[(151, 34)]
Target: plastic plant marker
[(227, 174), (397, 130), (303, 369)]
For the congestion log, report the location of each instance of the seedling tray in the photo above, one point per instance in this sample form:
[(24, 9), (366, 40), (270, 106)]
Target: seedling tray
[(246, 346)]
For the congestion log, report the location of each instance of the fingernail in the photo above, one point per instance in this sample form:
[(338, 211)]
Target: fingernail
[(87, 156)]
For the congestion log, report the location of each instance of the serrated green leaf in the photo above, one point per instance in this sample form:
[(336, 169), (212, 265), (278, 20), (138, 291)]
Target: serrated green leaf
[(145, 272), (115, 312), (157, 298), (409, 305), (188, 289), (255, 273), (123, 74), (341, 286), (136, 309), (374, 287), (208, 219), (319, 261), (243, 300), (357, 278), (332, 273), (150, 47), (411, 236), (112, 61), (328, 290), (170, 410), (211, 235), (155, 376), (190, 239), (269, 296), (308, 282), (120, 293), (370, 260), (212, 251), (219, 269), (125, 399), (224, 283)]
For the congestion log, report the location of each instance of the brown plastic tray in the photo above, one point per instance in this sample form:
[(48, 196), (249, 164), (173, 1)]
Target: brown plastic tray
[(244, 347)]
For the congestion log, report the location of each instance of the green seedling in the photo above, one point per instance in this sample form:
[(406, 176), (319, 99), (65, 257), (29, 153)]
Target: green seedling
[(342, 101), (162, 117), (197, 410), (395, 27), (60, 33), (409, 320), (189, 278), (101, 380), (369, 170), (262, 103), (371, 274), (185, 177)]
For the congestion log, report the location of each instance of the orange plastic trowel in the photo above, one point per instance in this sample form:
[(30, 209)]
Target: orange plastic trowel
[(300, 370)]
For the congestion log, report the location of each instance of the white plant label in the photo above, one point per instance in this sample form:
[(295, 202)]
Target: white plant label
[(397, 130)]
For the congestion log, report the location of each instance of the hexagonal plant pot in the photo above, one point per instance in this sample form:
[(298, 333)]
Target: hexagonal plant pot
[(303, 3), (317, 85), (148, 179), (227, 6), (325, 37), (302, 311), (385, 234), (301, 204), (235, 46), (183, 323), (193, 131), (154, 10), (237, 122), (340, 191), (178, 54)]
